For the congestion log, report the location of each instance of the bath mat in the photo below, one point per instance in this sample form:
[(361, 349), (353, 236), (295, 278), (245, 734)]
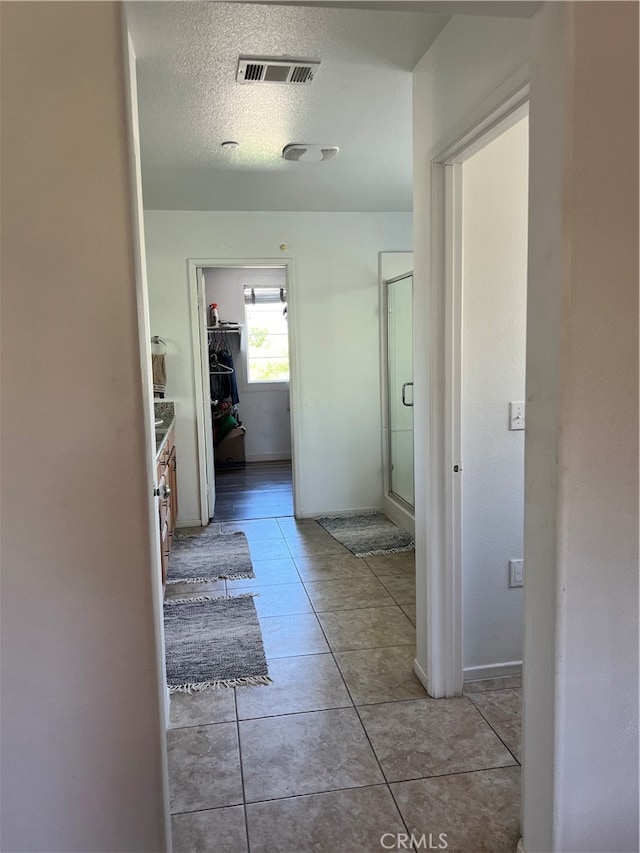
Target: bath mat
[(207, 557), (213, 642), (367, 534)]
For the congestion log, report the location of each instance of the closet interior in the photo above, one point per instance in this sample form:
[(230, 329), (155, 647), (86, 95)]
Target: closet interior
[(228, 429)]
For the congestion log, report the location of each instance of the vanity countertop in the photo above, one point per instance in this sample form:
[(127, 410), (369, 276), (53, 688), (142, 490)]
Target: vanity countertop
[(161, 435), (165, 410)]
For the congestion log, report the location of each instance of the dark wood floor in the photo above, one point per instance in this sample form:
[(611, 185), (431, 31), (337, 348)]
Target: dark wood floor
[(261, 490)]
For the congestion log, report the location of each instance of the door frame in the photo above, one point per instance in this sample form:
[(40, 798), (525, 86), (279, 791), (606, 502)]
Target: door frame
[(439, 659), (144, 337), (199, 342)]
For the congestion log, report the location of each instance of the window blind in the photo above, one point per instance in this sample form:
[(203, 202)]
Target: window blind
[(262, 295)]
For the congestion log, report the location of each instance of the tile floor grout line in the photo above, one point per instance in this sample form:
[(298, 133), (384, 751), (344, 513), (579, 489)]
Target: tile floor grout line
[(509, 750), (337, 708), (244, 796), (205, 725), (339, 651), (298, 713), (351, 609), (380, 606), (366, 734), (484, 692), (383, 784), (308, 794), (455, 773), (384, 775)]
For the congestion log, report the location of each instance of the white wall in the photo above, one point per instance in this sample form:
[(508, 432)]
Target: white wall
[(334, 306), (581, 540), (263, 409), (580, 770), (494, 186), (471, 59), (81, 730)]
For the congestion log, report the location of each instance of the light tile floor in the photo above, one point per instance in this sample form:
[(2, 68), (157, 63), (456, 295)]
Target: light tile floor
[(344, 751)]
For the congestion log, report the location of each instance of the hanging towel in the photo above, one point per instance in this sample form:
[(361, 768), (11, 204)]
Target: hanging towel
[(159, 371)]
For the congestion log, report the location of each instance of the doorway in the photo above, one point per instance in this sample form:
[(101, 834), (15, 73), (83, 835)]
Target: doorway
[(440, 656), (244, 376), (492, 403)]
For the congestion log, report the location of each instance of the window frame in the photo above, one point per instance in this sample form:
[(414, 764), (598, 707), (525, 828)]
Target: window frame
[(266, 384)]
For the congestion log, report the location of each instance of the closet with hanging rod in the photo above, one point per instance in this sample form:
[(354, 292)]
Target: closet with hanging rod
[(225, 416)]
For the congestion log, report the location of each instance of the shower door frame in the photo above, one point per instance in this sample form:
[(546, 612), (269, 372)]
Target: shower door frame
[(393, 505)]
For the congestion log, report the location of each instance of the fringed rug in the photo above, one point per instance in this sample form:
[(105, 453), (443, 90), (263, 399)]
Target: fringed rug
[(203, 557), (368, 534), (213, 642)]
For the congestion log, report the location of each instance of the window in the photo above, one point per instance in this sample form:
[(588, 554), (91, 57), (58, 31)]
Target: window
[(267, 333)]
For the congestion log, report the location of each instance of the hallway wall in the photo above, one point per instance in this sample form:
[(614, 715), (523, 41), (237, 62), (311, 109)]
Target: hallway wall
[(580, 768), (335, 302), (580, 772), (82, 737)]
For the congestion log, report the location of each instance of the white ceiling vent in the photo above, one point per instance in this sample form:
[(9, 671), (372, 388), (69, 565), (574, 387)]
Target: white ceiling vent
[(302, 152), (260, 69)]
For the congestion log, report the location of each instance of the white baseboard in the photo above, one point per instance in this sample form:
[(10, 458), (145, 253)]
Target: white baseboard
[(493, 670), (189, 522), (357, 511), (281, 456), (520, 847)]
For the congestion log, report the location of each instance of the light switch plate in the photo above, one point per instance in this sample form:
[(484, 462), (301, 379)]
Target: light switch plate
[(516, 573), (516, 415)]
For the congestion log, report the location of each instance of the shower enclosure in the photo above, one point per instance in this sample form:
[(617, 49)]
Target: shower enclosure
[(397, 346)]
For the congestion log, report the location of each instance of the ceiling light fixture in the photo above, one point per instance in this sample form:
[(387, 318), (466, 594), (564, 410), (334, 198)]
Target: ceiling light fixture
[(303, 152), (229, 144)]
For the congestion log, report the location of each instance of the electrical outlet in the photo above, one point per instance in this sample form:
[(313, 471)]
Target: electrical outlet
[(516, 415), (516, 573)]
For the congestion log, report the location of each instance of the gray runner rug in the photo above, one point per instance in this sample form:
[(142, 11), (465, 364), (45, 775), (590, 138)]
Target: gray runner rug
[(204, 557), (213, 642), (367, 534)]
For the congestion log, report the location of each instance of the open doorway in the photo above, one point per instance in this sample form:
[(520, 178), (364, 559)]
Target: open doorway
[(492, 403), (448, 643), (245, 444)]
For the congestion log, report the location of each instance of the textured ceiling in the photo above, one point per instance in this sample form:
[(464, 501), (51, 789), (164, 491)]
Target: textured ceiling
[(493, 8), (360, 100)]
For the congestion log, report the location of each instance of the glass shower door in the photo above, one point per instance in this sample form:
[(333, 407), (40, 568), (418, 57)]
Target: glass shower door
[(400, 385)]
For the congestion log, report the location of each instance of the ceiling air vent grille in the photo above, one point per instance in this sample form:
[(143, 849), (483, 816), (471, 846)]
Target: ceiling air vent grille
[(253, 71), (256, 69), (301, 74)]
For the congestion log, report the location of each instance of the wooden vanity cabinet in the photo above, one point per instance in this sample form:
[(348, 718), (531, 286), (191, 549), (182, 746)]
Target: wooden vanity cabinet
[(168, 502)]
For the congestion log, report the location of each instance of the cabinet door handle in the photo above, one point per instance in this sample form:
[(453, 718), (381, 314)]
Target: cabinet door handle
[(166, 491)]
